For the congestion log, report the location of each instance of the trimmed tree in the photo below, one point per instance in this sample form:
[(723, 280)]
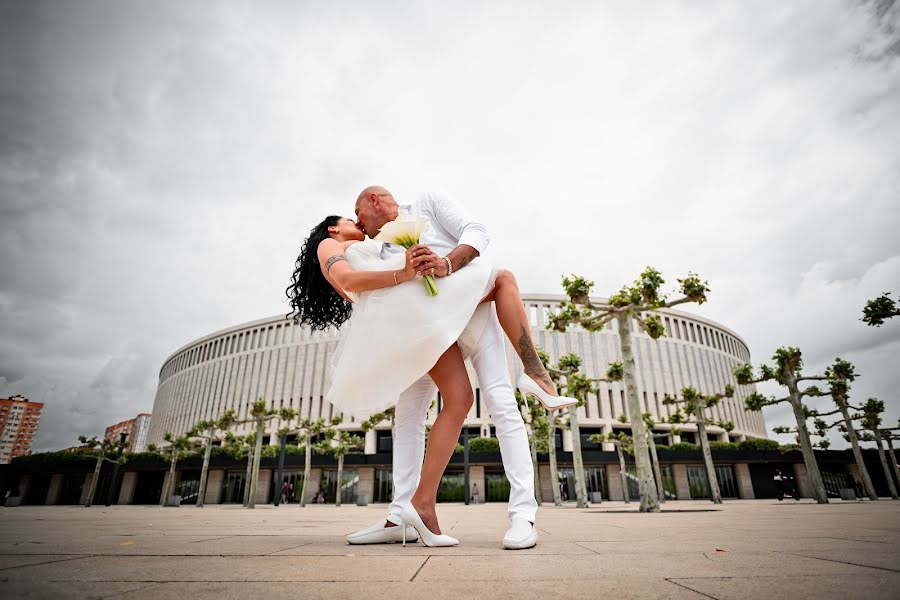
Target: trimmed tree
[(260, 414), (210, 431), (177, 448), (843, 373), (102, 449), (788, 362), (308, 429), (871, 421), (878, 310), (239, 447), (339, 444), (635, 304), (650, 423), (622, 442), (691, 409)]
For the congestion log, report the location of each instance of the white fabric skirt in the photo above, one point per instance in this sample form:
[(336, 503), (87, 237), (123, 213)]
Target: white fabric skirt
[(395, 335)]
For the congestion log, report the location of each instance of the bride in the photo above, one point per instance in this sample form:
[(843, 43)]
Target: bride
[(394, 333)]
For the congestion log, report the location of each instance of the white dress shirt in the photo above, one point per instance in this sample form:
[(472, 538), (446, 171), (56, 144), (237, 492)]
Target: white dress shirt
[(449, 226)]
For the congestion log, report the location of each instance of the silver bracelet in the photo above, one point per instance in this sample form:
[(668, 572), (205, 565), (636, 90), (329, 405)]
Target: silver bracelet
[(449, 266)]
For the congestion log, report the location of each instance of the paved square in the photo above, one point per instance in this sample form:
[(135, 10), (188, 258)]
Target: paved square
[(743, 549)]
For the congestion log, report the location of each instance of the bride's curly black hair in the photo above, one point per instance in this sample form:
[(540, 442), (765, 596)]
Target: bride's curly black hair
[(313, 301)]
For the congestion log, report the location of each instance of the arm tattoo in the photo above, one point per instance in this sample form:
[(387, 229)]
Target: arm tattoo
[(333, 259)]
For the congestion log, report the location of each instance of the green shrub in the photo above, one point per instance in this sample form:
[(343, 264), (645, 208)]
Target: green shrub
[(722, 446), (482, 445), (55, 457), (758, 444), (789, 447), (684, 446), (458, 449)]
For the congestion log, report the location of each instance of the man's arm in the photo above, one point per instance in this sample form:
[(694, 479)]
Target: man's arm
[(472, 235)]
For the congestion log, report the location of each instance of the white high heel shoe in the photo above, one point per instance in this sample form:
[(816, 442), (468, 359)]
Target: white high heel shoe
[(409, 516), (528, 386)]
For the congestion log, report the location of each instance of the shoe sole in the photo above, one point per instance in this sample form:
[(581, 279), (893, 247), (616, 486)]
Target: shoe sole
[(530, 542)]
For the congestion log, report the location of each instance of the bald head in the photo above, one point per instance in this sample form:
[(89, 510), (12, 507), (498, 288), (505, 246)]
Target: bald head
[(375, 206)]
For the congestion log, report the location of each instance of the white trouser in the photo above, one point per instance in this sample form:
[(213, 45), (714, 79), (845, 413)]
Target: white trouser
[(489, 361)]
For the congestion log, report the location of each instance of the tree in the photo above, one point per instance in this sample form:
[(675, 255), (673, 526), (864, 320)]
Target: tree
[(649, 424), (788, 362), (693, 406), (871, 420), (210, 431), (102, 449), (178, 447), (308, 429), (566, 375), (842, 373), (879, 309), (535, 426), (623, 443), (339, 444), (637, 303), (260, 414), (239, 447), (376, 419), (890, 444)]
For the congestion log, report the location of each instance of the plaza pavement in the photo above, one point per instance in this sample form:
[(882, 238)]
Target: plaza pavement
[(743, 549)]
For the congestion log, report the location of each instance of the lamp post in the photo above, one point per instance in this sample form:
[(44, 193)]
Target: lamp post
[(466, 464)]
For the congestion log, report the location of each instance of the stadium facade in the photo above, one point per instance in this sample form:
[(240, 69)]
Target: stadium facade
[(286, 365)]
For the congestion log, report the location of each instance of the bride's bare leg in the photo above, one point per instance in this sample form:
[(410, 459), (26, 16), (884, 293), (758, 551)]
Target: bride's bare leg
[(450, 376), (514, 321)]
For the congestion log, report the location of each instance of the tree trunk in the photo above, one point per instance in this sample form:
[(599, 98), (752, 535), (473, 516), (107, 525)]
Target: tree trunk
[(340, 474), (622, 474), (657, 474), (534, 464), (247, 477), (857, 454), (90, 497), (204, 472), (890, 445), (809, 456), (257, 456), (577, 462), (551, 449), (643, 468), (167, 489), (887, 471), (714, 494), (307, 469)]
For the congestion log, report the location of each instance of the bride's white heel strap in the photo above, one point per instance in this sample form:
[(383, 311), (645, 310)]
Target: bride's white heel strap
[(527, 385)]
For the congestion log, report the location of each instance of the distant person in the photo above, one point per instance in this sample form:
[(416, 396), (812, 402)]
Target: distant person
[(784, 487), (476, 497)]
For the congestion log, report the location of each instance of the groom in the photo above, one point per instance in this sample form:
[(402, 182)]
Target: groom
[(455, 240)]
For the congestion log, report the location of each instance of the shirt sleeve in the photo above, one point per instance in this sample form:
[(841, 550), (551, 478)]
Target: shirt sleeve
[(457, 222)]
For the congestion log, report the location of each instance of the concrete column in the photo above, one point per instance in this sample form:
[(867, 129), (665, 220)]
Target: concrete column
[(126, 492), (86, 488), (24, 485), (608, 446), (312, 488), (546, 483), (614, 483), (366, 484), (804, 484), (476, 481), (170, 486), (55, 486), (723, 437), (214, 479), (682, 487), (263, 484), (371, 442), (676, 438), (744, 483)]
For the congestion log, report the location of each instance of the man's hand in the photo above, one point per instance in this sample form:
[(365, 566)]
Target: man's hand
[(432, 264)]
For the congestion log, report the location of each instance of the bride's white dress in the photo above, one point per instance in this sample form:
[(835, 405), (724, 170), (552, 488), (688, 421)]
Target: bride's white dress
[(396, 334)]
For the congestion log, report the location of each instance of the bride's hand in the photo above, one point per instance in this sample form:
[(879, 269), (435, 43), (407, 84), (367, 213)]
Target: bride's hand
[(416, 256)]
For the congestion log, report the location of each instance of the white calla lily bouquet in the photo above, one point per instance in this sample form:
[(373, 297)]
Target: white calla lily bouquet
[(405, 231)]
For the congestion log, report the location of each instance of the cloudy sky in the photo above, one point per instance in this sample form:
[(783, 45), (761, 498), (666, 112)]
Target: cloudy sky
[(161, 162)]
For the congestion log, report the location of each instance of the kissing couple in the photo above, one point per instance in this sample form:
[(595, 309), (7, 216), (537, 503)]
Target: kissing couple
[(401, 345)]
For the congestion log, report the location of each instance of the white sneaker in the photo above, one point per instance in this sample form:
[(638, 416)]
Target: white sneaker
[(521, 535), (379, 534)]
